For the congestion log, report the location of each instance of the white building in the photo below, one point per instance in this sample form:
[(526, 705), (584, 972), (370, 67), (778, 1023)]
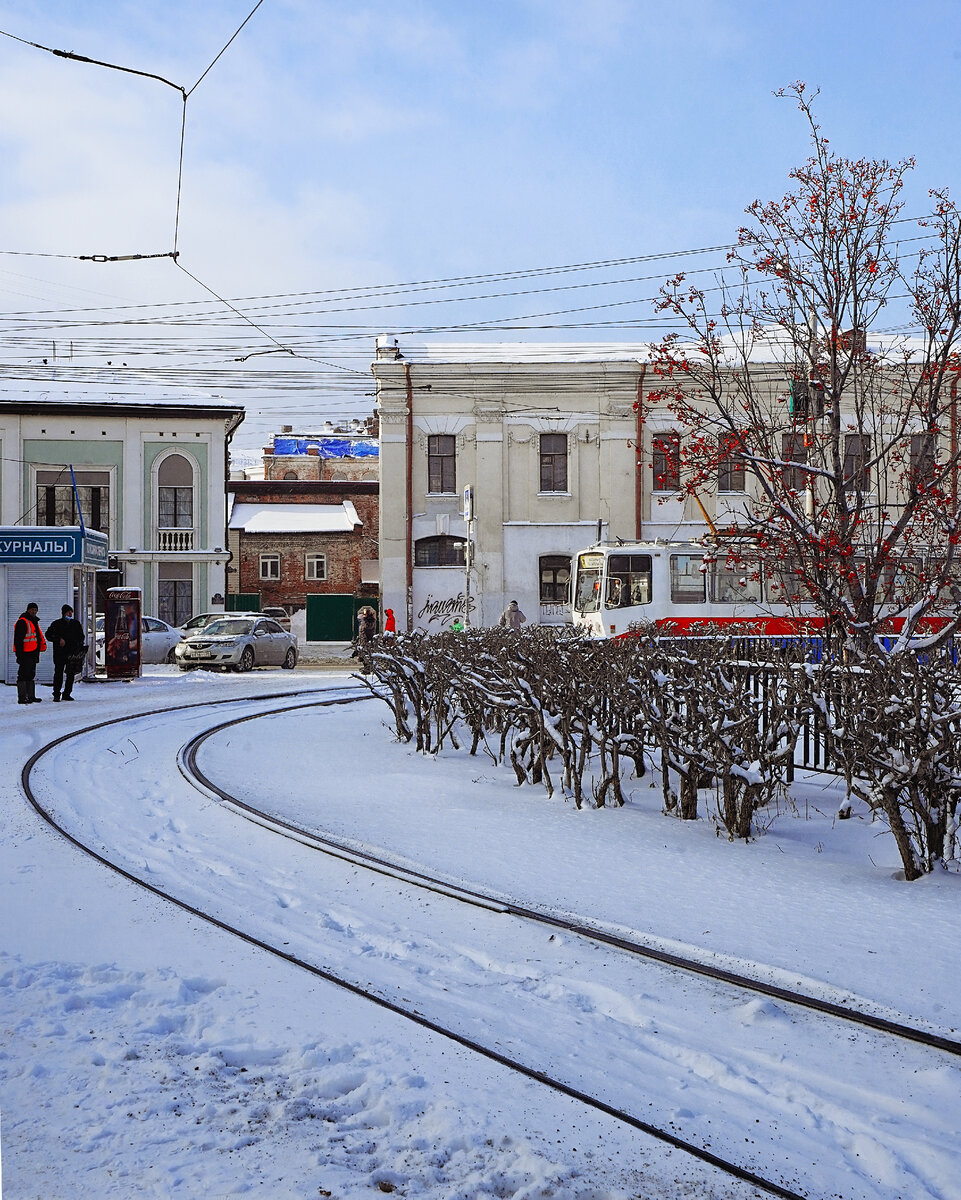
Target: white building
[(149, 475), (553, 443)]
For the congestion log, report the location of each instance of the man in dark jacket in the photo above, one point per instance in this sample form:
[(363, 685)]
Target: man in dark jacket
[(66, 638), (28, 645)]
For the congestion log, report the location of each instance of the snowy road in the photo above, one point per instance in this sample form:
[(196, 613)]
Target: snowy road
[(790, 1096)]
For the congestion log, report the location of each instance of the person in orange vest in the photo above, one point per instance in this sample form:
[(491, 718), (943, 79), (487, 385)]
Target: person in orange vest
[(28, 644)]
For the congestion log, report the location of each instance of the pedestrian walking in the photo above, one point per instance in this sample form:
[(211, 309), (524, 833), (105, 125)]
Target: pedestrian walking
[(512, 617), (390, 625), (67, 642), (366, 624), (28, 644)]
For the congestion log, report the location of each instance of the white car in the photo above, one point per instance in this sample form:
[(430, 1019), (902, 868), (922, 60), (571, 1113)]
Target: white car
[(157, 638), (238, 642)]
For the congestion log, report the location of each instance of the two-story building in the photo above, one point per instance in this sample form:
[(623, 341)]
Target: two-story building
[(149, 475), (304, 537), (554, 449)]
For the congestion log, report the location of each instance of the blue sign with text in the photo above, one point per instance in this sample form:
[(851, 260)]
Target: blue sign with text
[(47, 544)]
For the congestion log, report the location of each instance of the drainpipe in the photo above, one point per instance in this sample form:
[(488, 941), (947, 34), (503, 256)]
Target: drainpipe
[(638, 461), (409, 481), (954, 444), (233, 424)]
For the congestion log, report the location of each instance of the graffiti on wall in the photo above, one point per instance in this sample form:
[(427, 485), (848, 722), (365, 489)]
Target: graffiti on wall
[(442, 611)]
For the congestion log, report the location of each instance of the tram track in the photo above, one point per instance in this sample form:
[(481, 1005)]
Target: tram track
[(187, 761), (382, 865)]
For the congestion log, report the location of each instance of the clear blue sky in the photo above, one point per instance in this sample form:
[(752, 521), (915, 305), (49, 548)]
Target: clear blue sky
[(340, 144)]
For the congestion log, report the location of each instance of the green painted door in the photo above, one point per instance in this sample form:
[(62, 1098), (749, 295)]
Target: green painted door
[(330, 618), (243, 602)]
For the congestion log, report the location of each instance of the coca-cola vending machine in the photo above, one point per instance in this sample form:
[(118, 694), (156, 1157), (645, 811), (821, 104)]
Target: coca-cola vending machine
[(121, 629)]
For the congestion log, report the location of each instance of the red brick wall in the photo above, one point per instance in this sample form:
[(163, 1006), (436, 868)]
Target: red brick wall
[(344, 551)]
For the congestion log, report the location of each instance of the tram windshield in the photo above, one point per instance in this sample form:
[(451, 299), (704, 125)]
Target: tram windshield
[(587, 592)]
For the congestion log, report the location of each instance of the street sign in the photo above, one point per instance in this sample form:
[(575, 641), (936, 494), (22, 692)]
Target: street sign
[(468, 503)]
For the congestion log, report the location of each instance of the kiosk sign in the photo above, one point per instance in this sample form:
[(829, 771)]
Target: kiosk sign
[(47, 544), (121, 629)]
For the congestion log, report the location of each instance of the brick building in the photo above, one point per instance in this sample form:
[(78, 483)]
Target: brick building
[(309, 546), (339, 454)]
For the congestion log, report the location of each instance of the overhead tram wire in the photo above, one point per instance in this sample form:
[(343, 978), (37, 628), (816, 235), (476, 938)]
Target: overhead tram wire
[(440, 282), (195, 319)]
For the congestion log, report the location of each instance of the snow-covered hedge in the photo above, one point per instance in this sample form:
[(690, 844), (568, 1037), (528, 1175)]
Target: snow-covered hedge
[(720, 716)]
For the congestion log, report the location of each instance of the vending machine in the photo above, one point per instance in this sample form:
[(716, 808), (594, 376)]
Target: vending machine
[(121, 631)]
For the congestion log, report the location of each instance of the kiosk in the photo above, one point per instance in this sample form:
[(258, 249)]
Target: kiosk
[(51, 566)]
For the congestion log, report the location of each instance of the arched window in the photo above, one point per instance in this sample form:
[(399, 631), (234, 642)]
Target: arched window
[(442, 551), (175, 493), (555, 578), (290, 475)]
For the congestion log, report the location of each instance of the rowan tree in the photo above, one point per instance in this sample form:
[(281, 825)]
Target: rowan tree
[(845, 434)]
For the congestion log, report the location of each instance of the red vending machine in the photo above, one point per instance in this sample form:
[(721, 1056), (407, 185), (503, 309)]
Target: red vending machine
[(121, 628)]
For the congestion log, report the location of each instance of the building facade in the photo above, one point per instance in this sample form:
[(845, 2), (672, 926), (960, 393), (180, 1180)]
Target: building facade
[(555, 447), (309, 546), (149, 476)]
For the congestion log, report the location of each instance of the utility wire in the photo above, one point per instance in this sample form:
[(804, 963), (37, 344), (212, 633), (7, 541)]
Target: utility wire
[(260, 329), (96, 62), (217, 57)]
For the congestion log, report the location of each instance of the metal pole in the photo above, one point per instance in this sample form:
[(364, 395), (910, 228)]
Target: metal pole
[(467, 566)]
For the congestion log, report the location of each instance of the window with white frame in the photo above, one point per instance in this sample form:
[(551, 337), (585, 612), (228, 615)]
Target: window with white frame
[(441, 551), (270, 566), (666, 461), (555, 578), (175, 493), (553, 447), (57, 499), (441, 463), (315, 566), (730, 463)]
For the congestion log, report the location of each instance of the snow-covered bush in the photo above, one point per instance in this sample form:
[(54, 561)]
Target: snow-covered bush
[(724, 714)]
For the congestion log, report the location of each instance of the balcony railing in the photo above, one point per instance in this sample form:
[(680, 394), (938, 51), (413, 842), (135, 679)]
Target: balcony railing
[(175, 539)]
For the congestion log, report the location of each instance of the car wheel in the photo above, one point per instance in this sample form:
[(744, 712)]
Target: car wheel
[(247, 660), (291, 660), (171, 657)]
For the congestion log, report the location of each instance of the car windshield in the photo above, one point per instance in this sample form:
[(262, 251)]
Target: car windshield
[(228, 628), (100, 621)]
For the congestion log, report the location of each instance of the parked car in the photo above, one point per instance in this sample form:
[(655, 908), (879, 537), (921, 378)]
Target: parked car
[(280, 615), (201, 621), (238, 642), (157, 640)]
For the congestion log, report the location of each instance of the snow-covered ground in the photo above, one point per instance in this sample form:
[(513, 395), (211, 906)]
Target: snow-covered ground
[(149, 1053)]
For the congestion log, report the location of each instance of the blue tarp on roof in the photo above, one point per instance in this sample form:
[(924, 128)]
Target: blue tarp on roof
[(328, 447)]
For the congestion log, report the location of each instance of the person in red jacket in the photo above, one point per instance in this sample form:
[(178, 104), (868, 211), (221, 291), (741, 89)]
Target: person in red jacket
[(28, 644), (390, 625)]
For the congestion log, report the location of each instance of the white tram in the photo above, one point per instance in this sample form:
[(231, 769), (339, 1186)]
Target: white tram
[(680, 586)]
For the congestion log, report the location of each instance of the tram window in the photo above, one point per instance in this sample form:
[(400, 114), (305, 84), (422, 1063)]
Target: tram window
[(688, 581), (785, 586), (628, 580), (732, 583)]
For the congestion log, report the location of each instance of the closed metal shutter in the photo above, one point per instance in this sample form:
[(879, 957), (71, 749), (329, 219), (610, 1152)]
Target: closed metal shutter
[(49, 588)]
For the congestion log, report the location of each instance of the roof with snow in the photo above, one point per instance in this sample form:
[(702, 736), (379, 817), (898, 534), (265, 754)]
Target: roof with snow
[(295, 518), (769, 345)]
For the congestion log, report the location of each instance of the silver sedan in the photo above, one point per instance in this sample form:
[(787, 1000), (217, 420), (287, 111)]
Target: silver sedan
[(239, 643), (158, 641)]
